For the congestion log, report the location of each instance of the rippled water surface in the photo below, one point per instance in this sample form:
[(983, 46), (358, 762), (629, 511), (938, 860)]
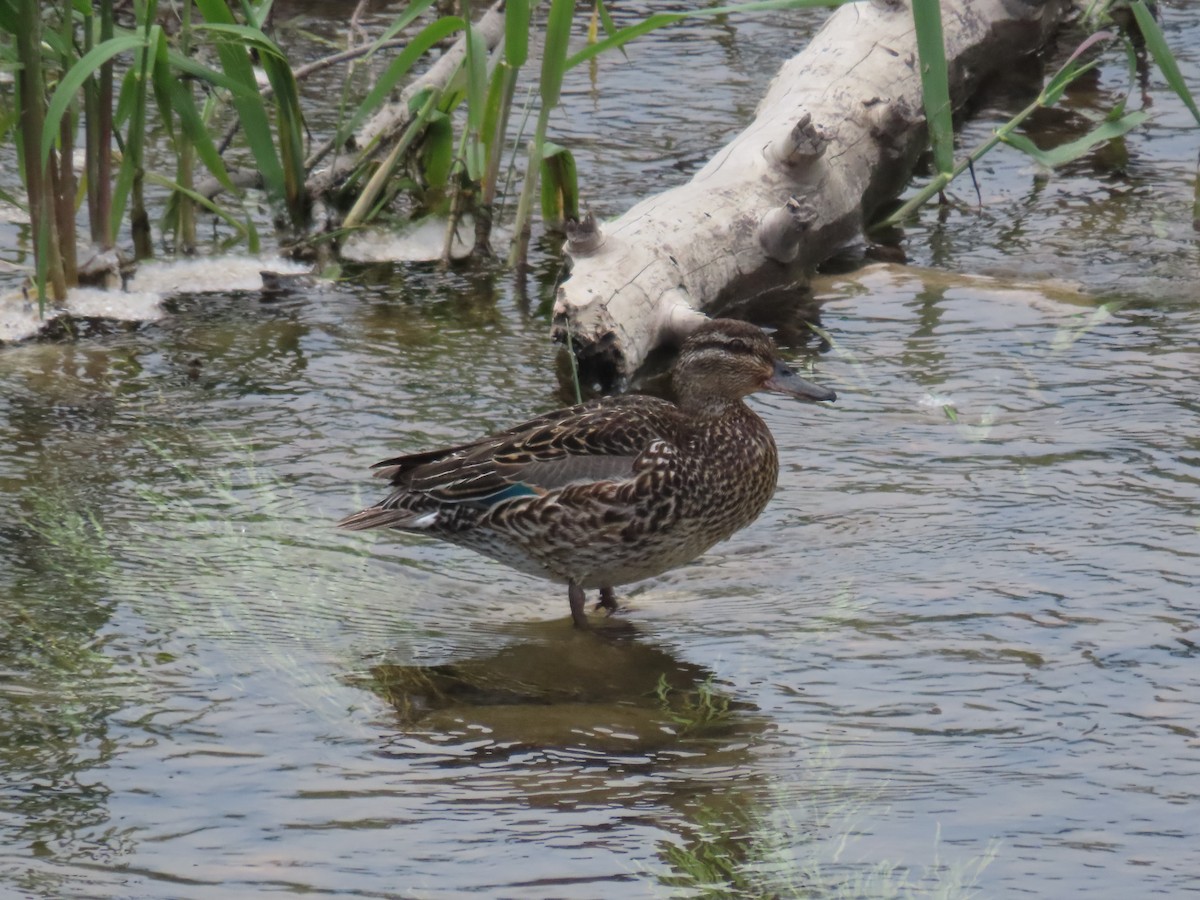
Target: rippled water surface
[(960, 647)]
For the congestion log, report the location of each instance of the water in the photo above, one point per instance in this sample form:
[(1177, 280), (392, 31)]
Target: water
[(959, 647)]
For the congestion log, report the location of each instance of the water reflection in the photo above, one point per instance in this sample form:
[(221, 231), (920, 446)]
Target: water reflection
[(553, 688), (582, 726), (54, 701)]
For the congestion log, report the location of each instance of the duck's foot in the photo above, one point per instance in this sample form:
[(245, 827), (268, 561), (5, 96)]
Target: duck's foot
[(608, 600), (578, 599)]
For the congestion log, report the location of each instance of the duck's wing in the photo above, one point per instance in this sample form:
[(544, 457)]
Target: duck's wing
[(598, 441)]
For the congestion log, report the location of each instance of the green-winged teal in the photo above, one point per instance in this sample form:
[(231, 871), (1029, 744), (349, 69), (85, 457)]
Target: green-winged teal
[(614, 490)]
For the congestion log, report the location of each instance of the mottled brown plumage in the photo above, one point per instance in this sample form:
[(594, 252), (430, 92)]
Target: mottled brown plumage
[(614, 490)]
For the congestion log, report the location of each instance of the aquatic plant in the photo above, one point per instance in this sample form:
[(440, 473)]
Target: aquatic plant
[(792, 847), (68, 56), (123, 78), (938, 109), (695, 712)]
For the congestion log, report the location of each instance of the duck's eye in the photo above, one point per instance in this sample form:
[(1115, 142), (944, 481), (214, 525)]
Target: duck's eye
[(737, 345)]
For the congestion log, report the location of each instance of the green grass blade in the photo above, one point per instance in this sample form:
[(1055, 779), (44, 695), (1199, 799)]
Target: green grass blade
[(516, 32), (179, 102), (554, 53), (554, 59), (8, 122), (251, 109), (72, 82), (131, 110), (476, 66), (600, 11), (495, 127), (8, 17), (429, 36), (437, 150), (477, 90), (244, 228), (495, 101), (410, 14), (160, 81), (243, 34), (125, 99), (1163, 57), (606, 19), (1005, 133), (560, 186), (1073, 150), (289, 122), (189, 66), (1071, 69), (368, 202), (58, 47), (257, 14), (935, 82)]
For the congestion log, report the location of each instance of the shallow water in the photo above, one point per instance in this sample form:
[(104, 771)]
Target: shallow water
[(959, 647)]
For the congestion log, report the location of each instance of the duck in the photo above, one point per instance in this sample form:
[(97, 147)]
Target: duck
[(614, 490)]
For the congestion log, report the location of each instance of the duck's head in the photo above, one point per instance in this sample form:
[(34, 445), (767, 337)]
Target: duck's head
[(724, 360)]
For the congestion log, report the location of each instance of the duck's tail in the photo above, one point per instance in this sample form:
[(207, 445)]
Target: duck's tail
[(379, 517)]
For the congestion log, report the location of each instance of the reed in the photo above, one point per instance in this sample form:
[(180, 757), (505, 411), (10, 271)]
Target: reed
[(127, 88), (1116, 124)]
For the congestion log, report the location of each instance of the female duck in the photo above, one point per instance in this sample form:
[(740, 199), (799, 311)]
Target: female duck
[(614, 490)]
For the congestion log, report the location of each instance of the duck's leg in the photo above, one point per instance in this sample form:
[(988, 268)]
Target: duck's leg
[(608, 600), (578, 598)]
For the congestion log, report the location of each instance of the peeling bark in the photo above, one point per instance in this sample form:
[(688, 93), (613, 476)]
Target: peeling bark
[(835, 137)]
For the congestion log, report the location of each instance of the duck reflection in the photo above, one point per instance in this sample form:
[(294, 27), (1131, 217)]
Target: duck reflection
[(610, 691), (587, 742)]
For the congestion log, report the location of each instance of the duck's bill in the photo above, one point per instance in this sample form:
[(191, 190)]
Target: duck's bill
[(785, 381)]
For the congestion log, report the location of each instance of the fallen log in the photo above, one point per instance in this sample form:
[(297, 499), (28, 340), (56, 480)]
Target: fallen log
[(835, 137)]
